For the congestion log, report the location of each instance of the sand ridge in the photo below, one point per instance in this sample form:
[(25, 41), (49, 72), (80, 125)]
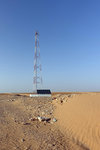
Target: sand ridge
[(79, 117)]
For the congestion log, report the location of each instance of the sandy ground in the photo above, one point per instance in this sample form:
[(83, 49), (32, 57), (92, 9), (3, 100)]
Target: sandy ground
[(20, 129), (77, 126), (79, 118)]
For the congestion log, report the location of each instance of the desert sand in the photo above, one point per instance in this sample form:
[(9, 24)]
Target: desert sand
[(79, 118), (21, 130), (77, 125)]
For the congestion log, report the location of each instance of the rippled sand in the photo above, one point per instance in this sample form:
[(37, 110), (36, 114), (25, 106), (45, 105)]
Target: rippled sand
[(79, 117)]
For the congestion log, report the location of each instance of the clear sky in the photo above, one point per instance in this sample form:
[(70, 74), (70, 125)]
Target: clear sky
[(69, 44)]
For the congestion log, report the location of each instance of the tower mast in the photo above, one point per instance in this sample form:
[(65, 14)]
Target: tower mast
[(37, 79)]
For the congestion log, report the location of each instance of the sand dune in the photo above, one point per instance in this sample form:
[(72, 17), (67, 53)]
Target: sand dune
[(79, 117)]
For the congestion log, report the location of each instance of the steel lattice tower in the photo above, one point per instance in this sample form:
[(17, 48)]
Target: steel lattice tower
[(37, 80)]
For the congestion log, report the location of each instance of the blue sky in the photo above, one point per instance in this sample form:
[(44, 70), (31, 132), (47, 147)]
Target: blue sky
[(69, 44)]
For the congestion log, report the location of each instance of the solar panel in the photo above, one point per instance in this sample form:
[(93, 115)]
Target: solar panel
[(43, 91)]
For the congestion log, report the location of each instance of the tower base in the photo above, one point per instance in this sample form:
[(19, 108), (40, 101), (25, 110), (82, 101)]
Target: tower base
[(42, 93)]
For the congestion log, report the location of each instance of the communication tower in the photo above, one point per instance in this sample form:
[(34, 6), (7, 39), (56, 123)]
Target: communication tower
[(37, 79)]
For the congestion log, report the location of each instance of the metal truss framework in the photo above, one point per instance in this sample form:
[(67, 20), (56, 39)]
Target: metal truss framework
[(37, 79)]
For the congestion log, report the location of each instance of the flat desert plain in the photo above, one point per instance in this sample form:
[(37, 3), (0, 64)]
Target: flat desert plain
[(73, 122)]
